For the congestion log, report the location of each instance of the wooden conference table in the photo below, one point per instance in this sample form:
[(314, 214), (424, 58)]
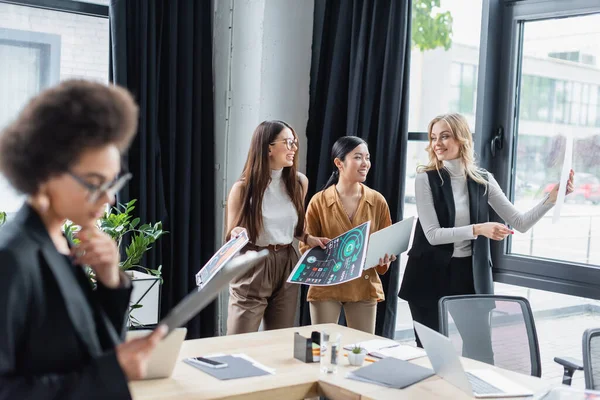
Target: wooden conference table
[(294, 379)]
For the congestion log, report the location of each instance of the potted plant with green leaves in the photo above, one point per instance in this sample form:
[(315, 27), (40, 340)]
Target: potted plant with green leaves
[(357, 355), (2, 218), (119, 223)]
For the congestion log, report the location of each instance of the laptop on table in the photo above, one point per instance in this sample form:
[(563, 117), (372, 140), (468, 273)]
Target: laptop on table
[(481, 383), (163, 358)]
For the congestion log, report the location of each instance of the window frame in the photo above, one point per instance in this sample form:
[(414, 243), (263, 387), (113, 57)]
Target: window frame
[(49, 45), (497, 97), (69, 6)]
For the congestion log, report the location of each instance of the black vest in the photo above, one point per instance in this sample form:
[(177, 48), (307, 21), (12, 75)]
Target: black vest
[(422, 282)]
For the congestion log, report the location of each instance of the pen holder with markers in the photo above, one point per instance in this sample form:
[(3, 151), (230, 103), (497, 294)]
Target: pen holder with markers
[(307, 350)]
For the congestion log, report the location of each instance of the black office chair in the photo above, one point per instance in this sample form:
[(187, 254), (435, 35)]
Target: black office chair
[(591, 358), (498, 330)]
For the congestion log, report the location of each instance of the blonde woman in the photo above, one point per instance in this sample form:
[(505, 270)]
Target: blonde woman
[(450, 254)]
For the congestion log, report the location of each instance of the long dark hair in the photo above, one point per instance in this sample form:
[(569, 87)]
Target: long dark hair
[(256, 176), (341, 148)]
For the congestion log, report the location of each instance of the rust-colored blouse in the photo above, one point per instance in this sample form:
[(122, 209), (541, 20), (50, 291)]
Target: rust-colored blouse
[(325, 217)]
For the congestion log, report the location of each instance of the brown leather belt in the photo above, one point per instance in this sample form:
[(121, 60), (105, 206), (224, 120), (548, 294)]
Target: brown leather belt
[(271, 247)]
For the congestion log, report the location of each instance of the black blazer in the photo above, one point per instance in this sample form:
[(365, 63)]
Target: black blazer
[(423, 282), (57, 335)]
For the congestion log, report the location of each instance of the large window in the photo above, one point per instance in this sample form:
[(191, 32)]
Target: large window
[(548, 77), (550, 112), (444, 59), (40, 47), (540, 85)]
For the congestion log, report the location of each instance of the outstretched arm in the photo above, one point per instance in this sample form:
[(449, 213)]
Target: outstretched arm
[(521, 221)]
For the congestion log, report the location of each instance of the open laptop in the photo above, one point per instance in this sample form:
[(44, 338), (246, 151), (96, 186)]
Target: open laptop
[(163, 358), (480, 383)]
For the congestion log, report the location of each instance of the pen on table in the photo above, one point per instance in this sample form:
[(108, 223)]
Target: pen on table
[(366, 358)]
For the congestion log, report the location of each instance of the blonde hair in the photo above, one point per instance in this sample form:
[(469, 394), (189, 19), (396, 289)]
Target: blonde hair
[(459, 128)]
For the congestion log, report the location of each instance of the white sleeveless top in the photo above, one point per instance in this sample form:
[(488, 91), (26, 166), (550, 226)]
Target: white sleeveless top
[(279, 214)]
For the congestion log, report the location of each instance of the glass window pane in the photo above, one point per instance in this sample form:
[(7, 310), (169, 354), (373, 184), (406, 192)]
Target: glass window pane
[(583, 115), (542, 140), (455, 74), (575, 113), (434, 71), (593, 94), (38, 48), (592, 109), (576, 92)]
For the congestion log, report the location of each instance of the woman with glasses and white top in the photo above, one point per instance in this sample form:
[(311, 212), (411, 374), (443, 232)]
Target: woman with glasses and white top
[(450, 254), (268, 202), (61, 338)]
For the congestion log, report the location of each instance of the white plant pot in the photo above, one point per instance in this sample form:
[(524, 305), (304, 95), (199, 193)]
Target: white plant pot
[(146, 292), (357, 359)]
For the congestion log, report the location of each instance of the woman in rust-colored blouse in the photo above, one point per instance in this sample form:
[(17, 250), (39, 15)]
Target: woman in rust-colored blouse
[(344, 204)]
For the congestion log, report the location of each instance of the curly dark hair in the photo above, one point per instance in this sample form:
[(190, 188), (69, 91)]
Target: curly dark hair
[(59, 124)]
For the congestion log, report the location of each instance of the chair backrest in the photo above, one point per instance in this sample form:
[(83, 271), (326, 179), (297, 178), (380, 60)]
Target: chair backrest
[(497, 330), (591, 358)]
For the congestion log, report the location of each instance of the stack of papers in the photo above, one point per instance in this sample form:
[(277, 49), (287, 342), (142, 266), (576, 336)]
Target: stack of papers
[(391, 372), (402, 352), (384, 348), (373, 345)]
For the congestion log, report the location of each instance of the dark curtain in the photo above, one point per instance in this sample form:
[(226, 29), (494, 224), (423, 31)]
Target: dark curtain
[(161, 50), (359, 86)]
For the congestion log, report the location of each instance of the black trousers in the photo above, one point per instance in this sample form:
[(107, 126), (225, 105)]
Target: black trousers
[(474, 328)]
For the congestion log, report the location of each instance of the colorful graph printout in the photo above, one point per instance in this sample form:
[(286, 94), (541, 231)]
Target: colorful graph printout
[(342, 260), (221, 257)]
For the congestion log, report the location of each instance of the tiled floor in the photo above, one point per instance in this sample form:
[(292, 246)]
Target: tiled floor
[(561, 336)]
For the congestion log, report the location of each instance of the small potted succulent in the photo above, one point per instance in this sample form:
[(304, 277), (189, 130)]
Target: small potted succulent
[(357, 355)]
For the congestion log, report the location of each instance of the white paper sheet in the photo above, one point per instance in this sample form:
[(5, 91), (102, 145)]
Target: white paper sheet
[(564, 177)]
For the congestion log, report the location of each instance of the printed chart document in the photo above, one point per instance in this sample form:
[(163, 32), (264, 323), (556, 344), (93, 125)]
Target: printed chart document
[(221, 257), (564, 178), (342, 260)]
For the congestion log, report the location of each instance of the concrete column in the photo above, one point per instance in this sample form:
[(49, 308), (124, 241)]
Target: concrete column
[(262, 56)]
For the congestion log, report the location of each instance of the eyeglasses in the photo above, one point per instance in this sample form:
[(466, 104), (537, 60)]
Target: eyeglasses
[(96, 191), (289, 143)]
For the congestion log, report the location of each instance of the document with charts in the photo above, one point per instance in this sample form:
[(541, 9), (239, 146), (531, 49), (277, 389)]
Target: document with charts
[(220, 258), (342, 260)]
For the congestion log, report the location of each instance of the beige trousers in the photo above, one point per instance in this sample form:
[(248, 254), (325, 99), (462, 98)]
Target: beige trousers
[(359, 314), (263, 294)]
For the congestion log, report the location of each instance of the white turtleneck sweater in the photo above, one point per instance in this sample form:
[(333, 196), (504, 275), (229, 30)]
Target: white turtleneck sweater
[(462, 233), (279, 214)]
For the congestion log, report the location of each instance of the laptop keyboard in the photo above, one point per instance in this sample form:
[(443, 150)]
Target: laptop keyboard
[(482, 387)]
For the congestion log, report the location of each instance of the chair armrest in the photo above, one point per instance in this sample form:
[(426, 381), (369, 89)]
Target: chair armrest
[(569, 363)]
